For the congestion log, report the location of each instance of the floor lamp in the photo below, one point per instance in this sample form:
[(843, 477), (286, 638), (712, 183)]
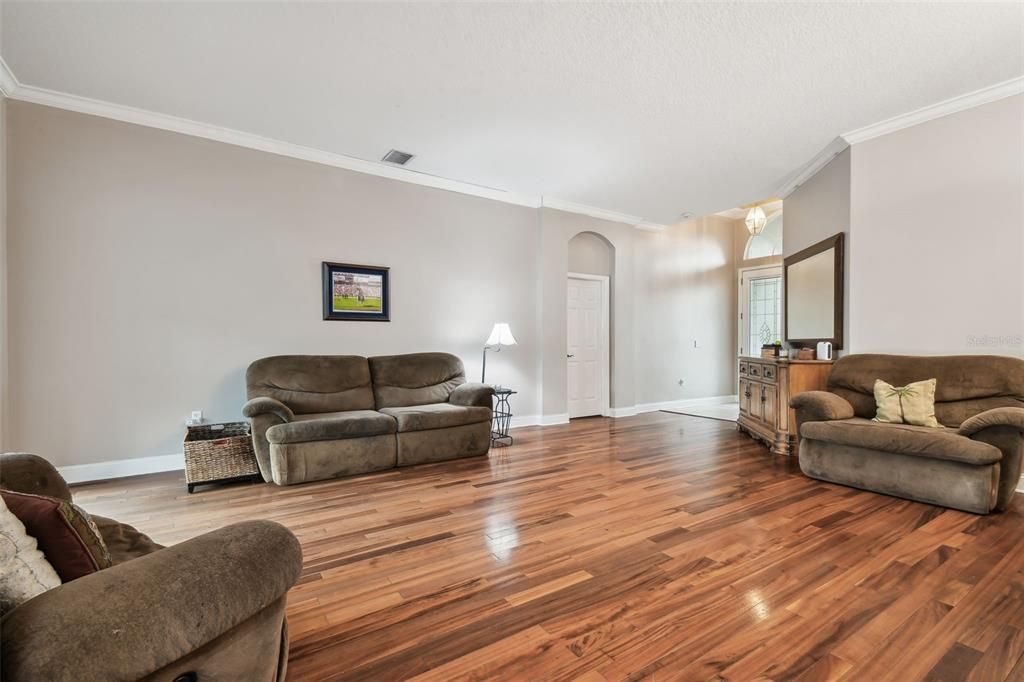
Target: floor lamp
[(500, 336)]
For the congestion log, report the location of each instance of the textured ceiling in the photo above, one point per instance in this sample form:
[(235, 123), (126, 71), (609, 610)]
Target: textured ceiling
[(644, 109)]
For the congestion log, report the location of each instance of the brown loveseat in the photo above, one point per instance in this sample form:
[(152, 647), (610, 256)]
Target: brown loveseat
[(972, 463), (320, 416), (207, 608)]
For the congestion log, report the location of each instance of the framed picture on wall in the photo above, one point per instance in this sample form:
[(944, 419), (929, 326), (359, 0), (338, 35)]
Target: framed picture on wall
[(356, 292)]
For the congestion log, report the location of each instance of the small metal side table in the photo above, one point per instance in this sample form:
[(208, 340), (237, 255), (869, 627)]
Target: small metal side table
[(502, 416)]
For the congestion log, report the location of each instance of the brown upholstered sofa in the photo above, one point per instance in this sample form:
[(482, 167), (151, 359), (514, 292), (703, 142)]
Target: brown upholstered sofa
[(973, 463), (212, 607), (319, 416)]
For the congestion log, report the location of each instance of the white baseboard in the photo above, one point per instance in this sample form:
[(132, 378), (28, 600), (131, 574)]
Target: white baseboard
[(683, 404), (1020, 486), (539, 420), (617, 412), (119, 468)]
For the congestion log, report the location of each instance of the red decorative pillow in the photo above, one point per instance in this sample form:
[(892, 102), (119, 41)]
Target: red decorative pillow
[(66, 534)]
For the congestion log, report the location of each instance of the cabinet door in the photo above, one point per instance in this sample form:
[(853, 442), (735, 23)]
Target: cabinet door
[(769, 400), (756, 406), (744, 396)]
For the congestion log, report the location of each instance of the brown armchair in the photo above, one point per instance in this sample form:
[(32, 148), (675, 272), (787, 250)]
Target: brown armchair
[(972, 463), (207, 608)]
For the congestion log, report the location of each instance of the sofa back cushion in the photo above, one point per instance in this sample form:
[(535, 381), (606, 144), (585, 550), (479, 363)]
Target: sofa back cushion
[(415, 378), (965, 384), (311, 384)]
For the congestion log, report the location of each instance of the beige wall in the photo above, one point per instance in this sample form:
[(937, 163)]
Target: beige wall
[(147, 269), (818, 209), (686, 296), (937, 216)]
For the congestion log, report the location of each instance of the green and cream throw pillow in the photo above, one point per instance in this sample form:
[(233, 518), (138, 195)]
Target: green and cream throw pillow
[(910, 404)]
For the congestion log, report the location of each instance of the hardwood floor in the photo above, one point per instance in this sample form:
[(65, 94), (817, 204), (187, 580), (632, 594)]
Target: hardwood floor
[(658, 546)]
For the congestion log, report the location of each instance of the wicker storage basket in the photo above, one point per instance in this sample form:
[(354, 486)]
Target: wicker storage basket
[(218, 452)]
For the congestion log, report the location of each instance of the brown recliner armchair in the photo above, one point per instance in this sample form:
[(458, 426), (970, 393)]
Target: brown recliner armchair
[(207, 608), (973, 463)]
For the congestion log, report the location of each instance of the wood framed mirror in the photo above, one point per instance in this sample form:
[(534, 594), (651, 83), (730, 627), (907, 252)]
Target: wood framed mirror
[(814, 293)]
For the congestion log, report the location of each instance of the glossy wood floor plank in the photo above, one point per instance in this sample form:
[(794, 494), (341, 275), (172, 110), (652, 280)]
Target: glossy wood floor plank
[(658, 547)]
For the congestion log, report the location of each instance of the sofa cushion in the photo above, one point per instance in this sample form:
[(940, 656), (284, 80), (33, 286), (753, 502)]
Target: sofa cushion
[(910, 404), (921, 441), (66, 534), (436, 416), (24, 570), (312, 384), (966, 384), (332, 426), (415, 378)]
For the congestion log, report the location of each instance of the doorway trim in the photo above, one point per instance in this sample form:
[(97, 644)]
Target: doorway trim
[(742, 303), (605, 388)]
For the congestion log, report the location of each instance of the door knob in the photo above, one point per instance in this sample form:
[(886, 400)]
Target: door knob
[(569, 355)]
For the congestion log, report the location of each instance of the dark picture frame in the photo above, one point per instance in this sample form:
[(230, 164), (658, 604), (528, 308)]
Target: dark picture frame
[(359, 293), (835, 243)]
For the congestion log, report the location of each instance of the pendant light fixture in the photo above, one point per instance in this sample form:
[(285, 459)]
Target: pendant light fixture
[(756, 220)]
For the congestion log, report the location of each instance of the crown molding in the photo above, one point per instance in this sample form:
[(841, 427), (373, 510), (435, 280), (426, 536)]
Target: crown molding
[(820, 160), (650, 227), (1014, 86), (151, 119), (8, 83), (600, 213)]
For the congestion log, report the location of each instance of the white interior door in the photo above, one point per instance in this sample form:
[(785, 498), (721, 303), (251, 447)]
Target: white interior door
[(587, 352)]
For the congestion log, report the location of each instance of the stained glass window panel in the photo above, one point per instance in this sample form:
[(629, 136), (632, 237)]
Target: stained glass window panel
[(765, 313)]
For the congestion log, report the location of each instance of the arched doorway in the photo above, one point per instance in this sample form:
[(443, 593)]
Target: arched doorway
[(589, 321)]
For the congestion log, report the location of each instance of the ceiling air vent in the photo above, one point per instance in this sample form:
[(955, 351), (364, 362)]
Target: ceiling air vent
[(396, 157)]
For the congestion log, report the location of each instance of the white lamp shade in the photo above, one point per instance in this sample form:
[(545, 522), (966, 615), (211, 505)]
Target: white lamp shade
[(756, 220), (501, 335)]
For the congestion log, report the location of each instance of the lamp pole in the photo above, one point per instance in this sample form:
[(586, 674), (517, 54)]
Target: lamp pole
[(483, 372)]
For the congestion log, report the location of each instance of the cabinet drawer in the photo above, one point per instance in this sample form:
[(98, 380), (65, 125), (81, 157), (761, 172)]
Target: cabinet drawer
[(743, 368), (768, 372), (754, 369)]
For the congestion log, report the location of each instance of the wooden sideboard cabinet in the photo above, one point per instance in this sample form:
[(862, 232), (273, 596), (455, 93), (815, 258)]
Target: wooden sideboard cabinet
[(766, 385)]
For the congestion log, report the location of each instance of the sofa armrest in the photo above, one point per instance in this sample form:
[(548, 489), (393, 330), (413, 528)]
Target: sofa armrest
[(26, 473), (1012, 417), (264, 413), (258, 406), (471, 395), (821, 406), (1002, 427), (132, 619)]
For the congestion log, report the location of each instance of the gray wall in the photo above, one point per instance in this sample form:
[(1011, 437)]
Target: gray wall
[(818, 209), (590, 254), (934, 223), (557, 229), (937, 217), (148, 268), (4, 383)]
